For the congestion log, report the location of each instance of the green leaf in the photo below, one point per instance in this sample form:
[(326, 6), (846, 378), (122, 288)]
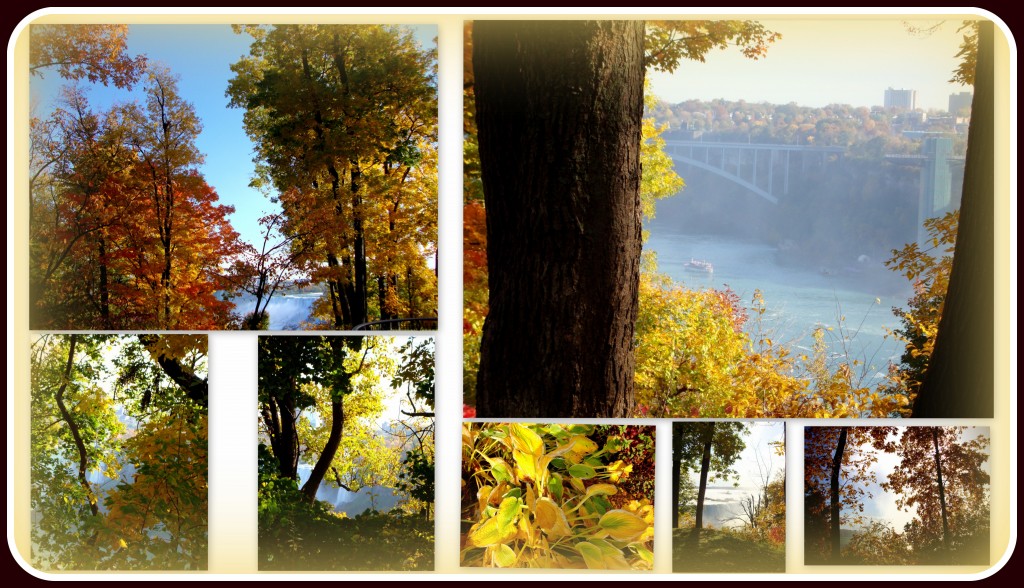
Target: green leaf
[(499, 528), (592, 555), (504, 556), (526, 440), (500, 469), (555, 486), (622, 524), (642, 552), (582, 472)]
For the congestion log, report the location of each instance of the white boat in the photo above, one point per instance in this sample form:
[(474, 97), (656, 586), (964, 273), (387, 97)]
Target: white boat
[(699, 265)]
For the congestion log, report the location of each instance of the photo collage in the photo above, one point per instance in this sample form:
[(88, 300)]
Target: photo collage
[(725, 302)]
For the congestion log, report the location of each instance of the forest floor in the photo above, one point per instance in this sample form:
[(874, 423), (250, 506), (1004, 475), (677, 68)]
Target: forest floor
[(724, 552)]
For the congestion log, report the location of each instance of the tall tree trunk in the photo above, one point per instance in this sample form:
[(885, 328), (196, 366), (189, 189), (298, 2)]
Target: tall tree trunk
[(705, 466), (279, 418), (559, 108), (942, 489), (960, 381), (834, 506), (359, 306)]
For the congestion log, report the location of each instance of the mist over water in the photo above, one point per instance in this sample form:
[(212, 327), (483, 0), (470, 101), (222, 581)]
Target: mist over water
[(797, 299), (287, 311)]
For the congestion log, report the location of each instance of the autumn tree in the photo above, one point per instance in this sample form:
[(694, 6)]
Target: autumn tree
[(928, 270), (166, 142), (344, 121), (941, 477), (94, 52), (81, 198), (837, 470), (263, 272), (715, 446), (335, 381), (124, 231), (558, 110)]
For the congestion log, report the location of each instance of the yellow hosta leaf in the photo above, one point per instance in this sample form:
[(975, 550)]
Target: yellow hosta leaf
[(577, 484), (508, 510), (482, 496), (499, 528), (611, 556), (600, 490), (526, 464), (503, 556), (592, 555), (551, 519), (623, 525), (526, 440), (500, 469), (580, 447), (644, 553)]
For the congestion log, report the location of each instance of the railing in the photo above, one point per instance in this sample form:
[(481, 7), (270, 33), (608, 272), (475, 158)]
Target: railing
[(417, 324)]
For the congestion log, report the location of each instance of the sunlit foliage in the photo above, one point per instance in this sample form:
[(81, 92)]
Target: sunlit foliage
[(119, 452), (549, 496)]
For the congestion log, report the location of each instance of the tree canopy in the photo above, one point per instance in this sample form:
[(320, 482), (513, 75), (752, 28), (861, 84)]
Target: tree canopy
[(124, 231), (96, 53), (940, 477), (119, 452), (323, 430), (344, 119)]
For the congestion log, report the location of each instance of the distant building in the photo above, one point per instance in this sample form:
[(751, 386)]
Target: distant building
[(901, 98), (960, 101)]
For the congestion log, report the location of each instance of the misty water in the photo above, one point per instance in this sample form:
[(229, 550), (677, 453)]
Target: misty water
[(798, 299), (378, 498), (287, 311), (722, 505)]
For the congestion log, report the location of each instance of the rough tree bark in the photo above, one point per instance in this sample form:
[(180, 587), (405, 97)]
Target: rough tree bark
[(960, 382), (559, 108)]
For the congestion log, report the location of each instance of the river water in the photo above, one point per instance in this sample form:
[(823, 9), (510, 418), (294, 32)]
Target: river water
[(797, 299)]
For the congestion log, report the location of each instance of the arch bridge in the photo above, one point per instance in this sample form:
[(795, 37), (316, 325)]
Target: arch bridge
[(764, 169)]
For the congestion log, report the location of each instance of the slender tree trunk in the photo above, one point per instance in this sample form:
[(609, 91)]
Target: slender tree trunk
[(104, 287), (330, 448), (960, 381), (359, 306), (337, 416), (76, 435), (834, 506), (942, 489), (559, 106), (705, 466)]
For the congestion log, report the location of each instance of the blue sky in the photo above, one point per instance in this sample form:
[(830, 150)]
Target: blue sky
[(201, 55)]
